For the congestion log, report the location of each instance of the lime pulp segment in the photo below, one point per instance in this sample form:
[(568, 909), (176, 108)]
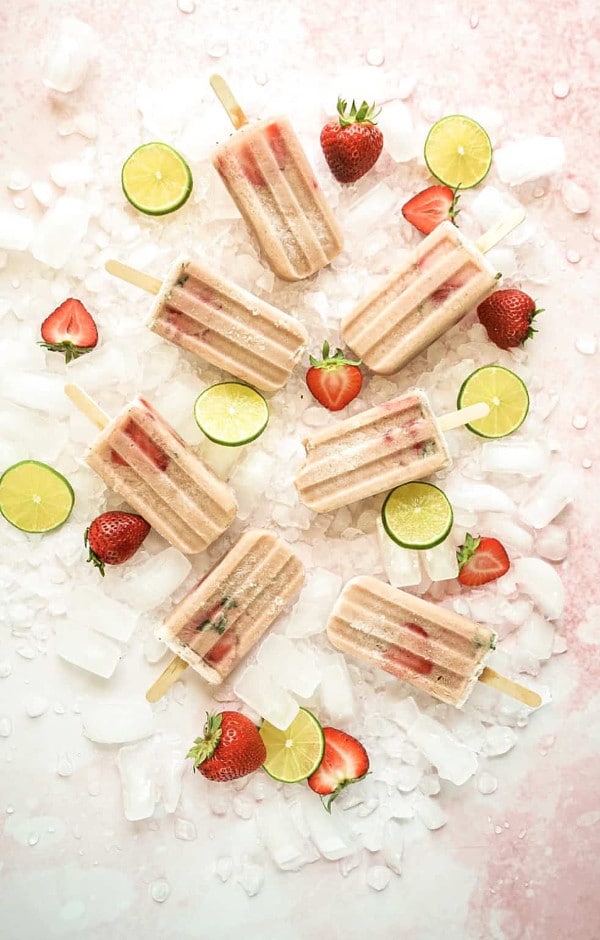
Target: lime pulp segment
[(458, 151), (417, 515), (231, 413), (156, 179), (506, 395), (295, 753), (34, 497)]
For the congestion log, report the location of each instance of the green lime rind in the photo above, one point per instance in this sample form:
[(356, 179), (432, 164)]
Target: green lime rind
[(34, 497), (463, 170), (231, 413), (156, 179), (506, 394), (296, 762), (417, 515)]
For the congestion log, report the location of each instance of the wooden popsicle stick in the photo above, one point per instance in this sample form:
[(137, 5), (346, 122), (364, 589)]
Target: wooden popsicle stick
[(166, 679), (133, 276), (87, 406), (228, 100), (500, 230), (513, 689), (456, 419)]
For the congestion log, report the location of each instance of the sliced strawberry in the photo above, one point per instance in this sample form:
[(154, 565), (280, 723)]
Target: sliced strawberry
[(145, 443), (430, 207), (481, 560), (278, 145), (345, 761), (69, 329), (223, 651), (334, 380), (250, 168)]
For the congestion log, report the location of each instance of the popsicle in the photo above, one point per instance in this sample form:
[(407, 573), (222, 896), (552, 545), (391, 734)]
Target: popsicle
[(221, 323), (271, 181), (431, 647), (443, 278), (139, 455), (376, 450), (227, 612)]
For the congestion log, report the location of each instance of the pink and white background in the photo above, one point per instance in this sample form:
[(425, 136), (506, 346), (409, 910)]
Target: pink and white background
[(521, 863)]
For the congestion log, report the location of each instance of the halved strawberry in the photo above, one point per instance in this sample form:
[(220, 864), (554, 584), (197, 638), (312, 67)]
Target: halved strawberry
[(224, 650), (480, 560), (334, 380), (345, 761), (69, 329), (430, 207), (145, 443)]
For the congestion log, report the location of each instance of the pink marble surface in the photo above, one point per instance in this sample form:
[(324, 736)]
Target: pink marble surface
[(538, 876)]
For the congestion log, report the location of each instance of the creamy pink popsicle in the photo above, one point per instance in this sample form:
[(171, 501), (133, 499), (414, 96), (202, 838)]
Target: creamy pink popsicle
[(141, 458), (393, 443), (227, 612), (271, 181), (433, 648), (225, 325), (441, 279)]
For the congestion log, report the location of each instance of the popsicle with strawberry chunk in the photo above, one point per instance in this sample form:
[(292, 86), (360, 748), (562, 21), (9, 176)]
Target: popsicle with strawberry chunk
[(431, 647), (271, 181)]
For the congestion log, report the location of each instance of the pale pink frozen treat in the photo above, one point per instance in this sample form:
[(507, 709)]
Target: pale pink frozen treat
[(227, 612), (441, 280), (225, 325), (270, 180), (141, 458), (393, 443), (433, 648)]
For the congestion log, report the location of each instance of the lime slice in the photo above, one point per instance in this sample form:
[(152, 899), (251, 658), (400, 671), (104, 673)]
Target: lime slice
[(458, 152), (504, 392), (231, 413), (156, 179), (293, 754), (34, 497), (417, 515)]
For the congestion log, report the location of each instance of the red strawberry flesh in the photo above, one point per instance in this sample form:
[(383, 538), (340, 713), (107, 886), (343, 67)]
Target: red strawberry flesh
[(70, 329)]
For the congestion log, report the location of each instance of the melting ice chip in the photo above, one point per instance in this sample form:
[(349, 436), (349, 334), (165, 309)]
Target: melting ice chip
[(151, 773), (150, 584), (117, 723), (61, 230), (529, 159), (453, 760), (87, 649), (70, 56), (312, 608)]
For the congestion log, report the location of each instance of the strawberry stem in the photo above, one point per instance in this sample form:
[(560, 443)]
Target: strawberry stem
[(204, 748), (466, 551), (364, 114), (92, 556), (332, 361)]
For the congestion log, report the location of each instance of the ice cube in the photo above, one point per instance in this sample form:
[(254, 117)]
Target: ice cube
[(221, 459), (224, 867), (541, 582), (251, 877), (328, 832), (44, 393), (250, 480), (402, 566), (370, 210), (36, 705), (287, 847), (378, 877), (400, 138), (87, 649), (266, 697), (536, 636), (405, 712), (548, 499), (552, 542), (393, 845), (61, 230), (290, 664), (151, 772), (16, 230), (453, 760), (441, 563), (479, 497), (336, 690), (117, 722), (407, 777), (491, 206), (150, 584), (70, 56), (185, 829), (511, 535), (431, 813), (529, 458), (90, 606), (310, 612), (499, 739), (529, 159)]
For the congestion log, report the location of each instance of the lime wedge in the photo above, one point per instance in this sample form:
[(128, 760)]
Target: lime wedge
[(231, 413), (34, 497), (458, 152), (156, 179), (293, 754), (417, 515), (505, 393)]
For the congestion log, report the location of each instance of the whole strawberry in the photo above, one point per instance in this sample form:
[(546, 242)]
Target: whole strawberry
[(353, 142), (334, 380), (231, 747), (480, 560), (69, 329), (507, 316), (345, 761), (113, 537)]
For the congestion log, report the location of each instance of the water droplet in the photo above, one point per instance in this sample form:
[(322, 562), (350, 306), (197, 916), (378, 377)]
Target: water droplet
[(17, 181), (5, 726), (575, 197), (538, 192), (64, 767), (59, 709), (561, 88), (10, 810), (507, 825), (159, 891), (19, 202), (498, 830), (487, 783), (596, 234), (15, 283), (573, 256), (522, 833), (34, 838), (93, 788), (186, 6), (260, 77), (375, 56), (579, 422), (586, 344), (5, 670), (51, 828), (36, 706), (217, 48), (474, 20), (586, 463)]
